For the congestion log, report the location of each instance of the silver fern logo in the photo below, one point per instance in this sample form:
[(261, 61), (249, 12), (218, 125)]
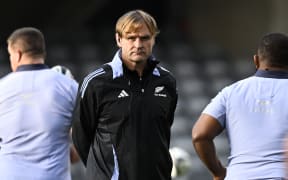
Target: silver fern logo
[(158, 91)]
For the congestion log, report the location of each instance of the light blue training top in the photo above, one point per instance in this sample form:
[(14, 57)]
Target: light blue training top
[(36, 105), (254, 112)]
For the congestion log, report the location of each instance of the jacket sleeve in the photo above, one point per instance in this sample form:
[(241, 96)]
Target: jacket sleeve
[(84, 120), (173, 103)]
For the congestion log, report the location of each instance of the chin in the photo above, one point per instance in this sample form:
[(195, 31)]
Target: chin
[(138, 61), (140, 58)]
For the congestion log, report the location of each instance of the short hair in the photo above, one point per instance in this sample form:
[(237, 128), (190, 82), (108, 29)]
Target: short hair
[(30, 40), (273, 49), (132, 20)]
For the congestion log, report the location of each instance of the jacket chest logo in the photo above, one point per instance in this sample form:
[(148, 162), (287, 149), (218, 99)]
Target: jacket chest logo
[(159, 91), (123, 94)]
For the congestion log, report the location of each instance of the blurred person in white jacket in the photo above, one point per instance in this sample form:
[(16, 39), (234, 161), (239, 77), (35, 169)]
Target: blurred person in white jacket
[(77, 167), (36, 105), (253, 112)]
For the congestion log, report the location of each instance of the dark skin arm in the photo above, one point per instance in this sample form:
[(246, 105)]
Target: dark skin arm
[(74, 156), (204, 131)]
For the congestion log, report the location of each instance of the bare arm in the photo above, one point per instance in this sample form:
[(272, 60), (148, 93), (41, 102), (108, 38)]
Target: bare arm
[(203, 133), (74, 156)]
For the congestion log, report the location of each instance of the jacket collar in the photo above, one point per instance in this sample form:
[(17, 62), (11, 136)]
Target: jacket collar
[(272, 74), (31, 67), (117, 65)]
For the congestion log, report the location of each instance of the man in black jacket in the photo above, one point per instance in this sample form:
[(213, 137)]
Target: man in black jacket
[(125, 109)]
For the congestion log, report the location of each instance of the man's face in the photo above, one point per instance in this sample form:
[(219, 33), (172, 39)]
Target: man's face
[(137, 45)]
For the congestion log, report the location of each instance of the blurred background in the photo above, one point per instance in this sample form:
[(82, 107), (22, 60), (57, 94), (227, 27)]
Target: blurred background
[(206, 44)]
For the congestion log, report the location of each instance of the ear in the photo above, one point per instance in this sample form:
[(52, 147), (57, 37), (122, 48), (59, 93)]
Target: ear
[(118, 40), (19, 55), (256, 61)]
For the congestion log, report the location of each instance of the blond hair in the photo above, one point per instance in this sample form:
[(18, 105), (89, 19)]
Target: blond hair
[(132, 20)]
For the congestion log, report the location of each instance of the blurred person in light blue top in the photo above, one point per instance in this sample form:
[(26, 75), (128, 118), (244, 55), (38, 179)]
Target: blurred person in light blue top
[(77, 167), (254, 113), (36, 105)]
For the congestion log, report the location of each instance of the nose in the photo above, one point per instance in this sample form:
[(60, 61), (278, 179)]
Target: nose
[(138, 43)]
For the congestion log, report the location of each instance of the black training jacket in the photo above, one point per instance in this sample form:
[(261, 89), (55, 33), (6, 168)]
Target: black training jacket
[(121, 125)]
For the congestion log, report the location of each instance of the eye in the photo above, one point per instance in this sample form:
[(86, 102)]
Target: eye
[(131, 38), (145, 38)]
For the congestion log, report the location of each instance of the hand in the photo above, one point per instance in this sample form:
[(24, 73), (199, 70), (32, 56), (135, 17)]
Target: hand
[(74, 157), (220, 176)]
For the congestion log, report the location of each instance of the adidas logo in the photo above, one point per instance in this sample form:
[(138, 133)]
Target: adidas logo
[(122, 94)]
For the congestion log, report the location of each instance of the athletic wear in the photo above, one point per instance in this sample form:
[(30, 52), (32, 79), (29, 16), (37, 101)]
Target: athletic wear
[(254, 113), (36, 106), (122, 122)]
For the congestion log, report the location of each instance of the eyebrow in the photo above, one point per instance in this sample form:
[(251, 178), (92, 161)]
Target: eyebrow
[(140, 36)]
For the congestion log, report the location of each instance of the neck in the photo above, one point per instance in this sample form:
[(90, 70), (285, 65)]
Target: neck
[(136, 66), (269, 68), (29, 60)]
